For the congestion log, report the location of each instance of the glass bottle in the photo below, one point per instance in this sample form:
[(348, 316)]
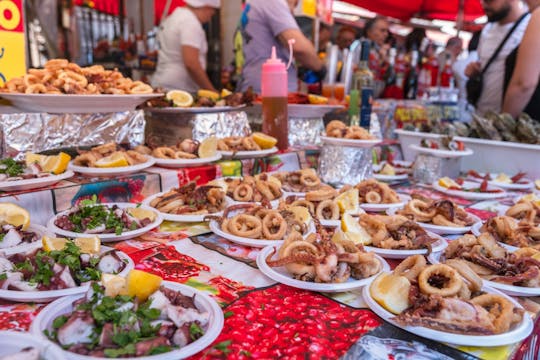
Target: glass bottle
[(364, 82)]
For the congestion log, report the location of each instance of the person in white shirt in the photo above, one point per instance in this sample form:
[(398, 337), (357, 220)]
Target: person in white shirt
[(183, 47), (501, 14)]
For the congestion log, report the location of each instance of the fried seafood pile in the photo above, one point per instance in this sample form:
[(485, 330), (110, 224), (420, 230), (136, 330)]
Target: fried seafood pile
[(185, 149), (59, 76), (323, 204), (448, 297), (395, 232), (338, 129), (191, 199), (319, 258), (238, 143), (110, 150), (436, 212), (254, 189), (300, 180), (493, 262), (372, 191), (525, 211)]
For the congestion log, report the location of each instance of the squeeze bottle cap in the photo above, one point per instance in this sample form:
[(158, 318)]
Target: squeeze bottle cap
[(274, 77)]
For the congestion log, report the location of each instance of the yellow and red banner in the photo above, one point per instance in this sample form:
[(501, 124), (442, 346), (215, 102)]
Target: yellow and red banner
[(12, 40)]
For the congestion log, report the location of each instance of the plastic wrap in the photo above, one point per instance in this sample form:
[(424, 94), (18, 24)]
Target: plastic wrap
[(428, 169), (37, 132), (305, 132), (341, 165)]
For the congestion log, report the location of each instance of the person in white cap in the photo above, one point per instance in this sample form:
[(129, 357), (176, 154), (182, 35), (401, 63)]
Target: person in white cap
[(183, 47)]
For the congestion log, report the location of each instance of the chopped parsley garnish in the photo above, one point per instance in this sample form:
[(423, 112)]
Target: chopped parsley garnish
[(195, 331), (10, 167), (91, 215), (3, 276), (59, 321), (2, 236), (159, 350)]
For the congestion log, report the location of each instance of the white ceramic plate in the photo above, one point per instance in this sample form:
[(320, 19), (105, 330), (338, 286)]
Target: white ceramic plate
[(27, 184), (181, 163), (475, 229), (391, 178), (248, 154), (511, 290), (39, 230), (203, 302), (441, 153), (281, 275), (108, 237), (437, 246), (350, 142), (49, 295), (310, 110), (445, 230), (519, 333), (64, 103), (193, 110), (526, 185), (11, 342), (113, 171), (470, 195), (385, 207)]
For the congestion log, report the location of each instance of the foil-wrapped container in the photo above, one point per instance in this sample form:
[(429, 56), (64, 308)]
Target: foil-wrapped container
[(166, 129), (428, 169), (37, 132), (305, 132), (341, 165)]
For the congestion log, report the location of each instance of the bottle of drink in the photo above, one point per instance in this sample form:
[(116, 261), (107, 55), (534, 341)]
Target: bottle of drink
[(391, 89), (364, 82), (274, 100), (354, 109), (411, 85), (447, 74)]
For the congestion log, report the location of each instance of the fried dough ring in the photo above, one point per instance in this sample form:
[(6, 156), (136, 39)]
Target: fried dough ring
[(373, 197), (304, 203), (321, 194), (309, 179), (474, 282), (184, 155), (243, 192), (450, 287), (411, 267), (272, 220), (164, 152), (501, 310), (244, 225), (324, 205)]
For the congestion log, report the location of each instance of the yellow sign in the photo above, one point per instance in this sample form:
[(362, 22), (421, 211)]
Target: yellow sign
[(12, 41)]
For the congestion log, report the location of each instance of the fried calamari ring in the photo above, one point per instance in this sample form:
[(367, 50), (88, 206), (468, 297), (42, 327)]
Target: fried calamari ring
[(335, 127), (36, 89), (244, 225), (442, 221), (375, 228), (138, 87), (327, 210), (309, 179), (501, 310), (145, 150), (304, 203), (164, 152), (411, 267), (71, 77), (249, 144), (133, 157), (440, 280), (474, 282), (87, 159), (56, 64), (274, 226), (222, 145), (373, 197), (184, 155), (321, 194), (420, 210), (243, 192), (264, 188), (30, 80)]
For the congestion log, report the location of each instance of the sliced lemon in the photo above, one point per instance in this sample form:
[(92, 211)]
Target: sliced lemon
[(32, 158), (14, 215), (317, 99), (301, 214), (263, 140), (115, 160), (114, 284), (53, 243), (225, 93), (536, 256), (503, 178), (354, 231), (219, 182), (388, 169), (88, 245), (140, 213), (208, 147), (55, 164), (537, 184), (208, 94), (339, 237), (391, 292), (142, 284), (180, 98), (447, 183), (348, 200)]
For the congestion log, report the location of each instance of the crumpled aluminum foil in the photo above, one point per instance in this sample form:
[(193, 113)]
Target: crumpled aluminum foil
[(305, 132), (341, 165), (37, 132), (428, 169)]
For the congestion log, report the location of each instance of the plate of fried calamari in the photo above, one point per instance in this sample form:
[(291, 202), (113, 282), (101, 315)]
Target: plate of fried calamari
[(443, 303), (110, 160), (319, 263), (246, 147), (261, 188), (337, 133), (442, 217), (397, 237), (189, 203), (260, 226), (186, 153), (300, 181), (376, 196)]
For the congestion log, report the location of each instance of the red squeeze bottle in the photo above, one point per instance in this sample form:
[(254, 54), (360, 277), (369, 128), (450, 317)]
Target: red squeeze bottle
[(274, 100)]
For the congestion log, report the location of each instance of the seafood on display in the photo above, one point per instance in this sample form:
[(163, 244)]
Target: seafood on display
[(191, 199), (11, 170), (253, 188), (371, 191), (338, 129), (525, 211), (436, 212), (511, 231), (303, 180), (519, 178), (11, 236), (104, 155)]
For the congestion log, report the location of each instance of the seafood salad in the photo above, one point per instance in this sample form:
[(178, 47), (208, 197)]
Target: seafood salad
[(191, 199), (29, 353), (11, 170), (11, 235), (122, 325), (41, 270), (436, 212)]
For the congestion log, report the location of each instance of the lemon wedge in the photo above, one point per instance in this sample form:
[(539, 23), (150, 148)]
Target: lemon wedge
[(447, 183), (348, 201), (88, 245), (115, 160), (142, 284), (301, 214), (208, 94), (354, 231), (53, 243), (225, 93), (536, 256), (208, 147), (55, 164), (537, 184), (114, 285), (140, 213), (503, 178), (14, 215), (180, 98), (317, 99), (263, 140), (391, 292), (388, 169)]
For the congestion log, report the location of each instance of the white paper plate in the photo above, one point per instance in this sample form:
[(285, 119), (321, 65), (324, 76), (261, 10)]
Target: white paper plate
[(113, 171), (391, 178), (11, 342), (444, 230), (514, 336), (193, 109), (475, 229), (469, 195), (525, 186), (385, 207), (248, 154), (27, 184), (437, 246), (310, 110), (511, 290), (350, 142), (281, 275), (39, 230), (203, 302), (441, 153), (49, 295), (64, 103), (181, 163), (108, 237)]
